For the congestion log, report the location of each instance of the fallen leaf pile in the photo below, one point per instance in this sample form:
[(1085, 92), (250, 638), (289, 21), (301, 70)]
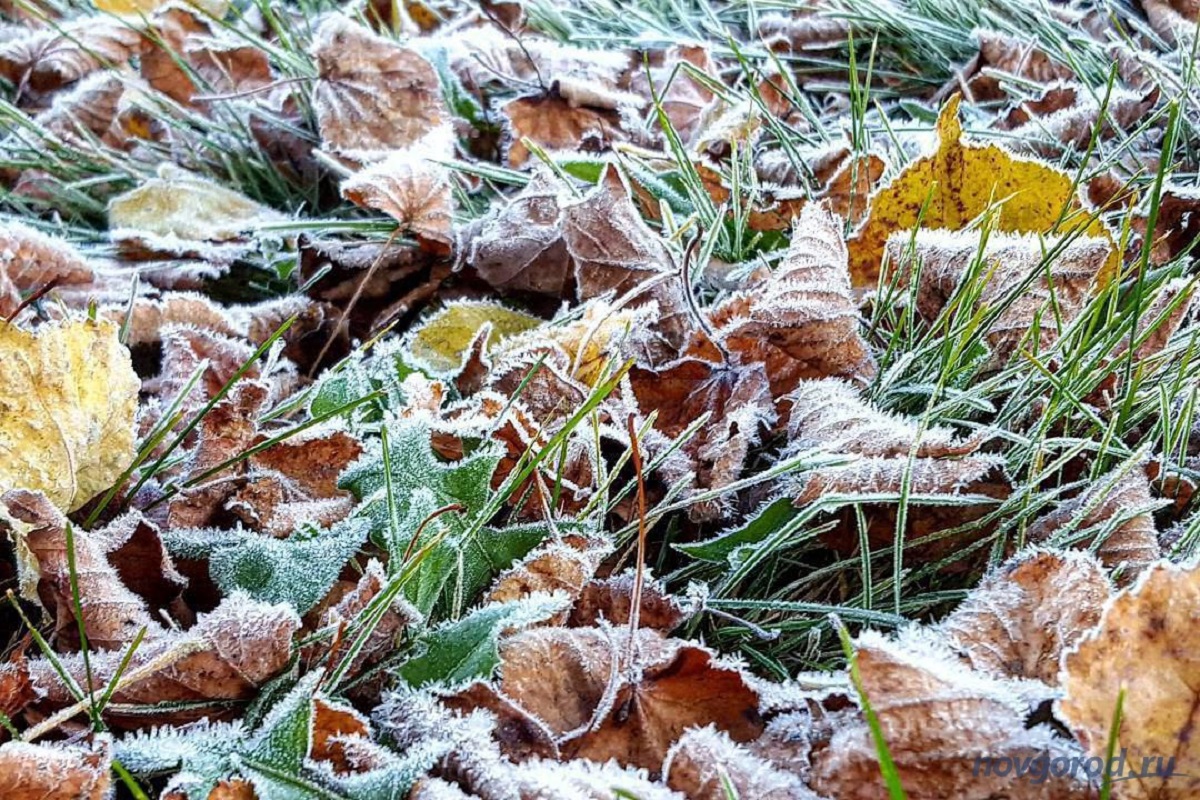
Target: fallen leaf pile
[(518, 400)]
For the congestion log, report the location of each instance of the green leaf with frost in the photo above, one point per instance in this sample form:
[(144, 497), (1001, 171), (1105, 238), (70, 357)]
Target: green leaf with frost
[(468, 649), (440, 503), (299, 570)]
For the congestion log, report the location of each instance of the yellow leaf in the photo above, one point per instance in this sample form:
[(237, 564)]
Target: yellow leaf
[(180, 204), (68, 395), (444, 338), (956, 184), (1146, 644)]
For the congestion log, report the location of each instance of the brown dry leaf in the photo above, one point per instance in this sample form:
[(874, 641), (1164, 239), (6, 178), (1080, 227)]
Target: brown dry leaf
[(112, 614), (555, 123), (178, 205), (412, 190), (86, 110), (1025, 614), (685, 102), (703, 760), (611, 600), (226, 656), (938, 718), (831, 416), (1001, 55), (564, 566), (574, 683), (615, 251), (372, 95), (476, 767), (1068, 115), (68, 395), (848, 190), (1173, 20), (1013, 276), (801, 322), (738, 402), (47, 59), (958, 182), (55, 771), (1119, 508), (519, 246), (1146, 647), (191, 58), (1177, 227), (30, 259), (333, 726), (382, 640)]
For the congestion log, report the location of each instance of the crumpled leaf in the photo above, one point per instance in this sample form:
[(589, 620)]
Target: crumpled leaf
[(576, 684), (1145, 645), (614, 250), (180, 206), (830, 414), (738, 402), (801, 321), (67, 403), (519, 245), (474, 767), (112, 615), (1024, 615), (55, 772), (937, 718), (226, 656), (372, 95), (558, 566), (957, 183)]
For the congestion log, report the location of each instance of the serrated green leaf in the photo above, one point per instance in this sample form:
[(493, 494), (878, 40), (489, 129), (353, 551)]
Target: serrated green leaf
[(299, 570), (440, 502), (468, 649)]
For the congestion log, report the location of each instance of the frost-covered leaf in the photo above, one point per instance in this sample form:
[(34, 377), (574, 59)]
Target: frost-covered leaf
[(576, 684), (957, 183), (1118, 510), (55, 772), (737, 401), (442, 340), (411, 189), (467, 649), (830, 415), (1024, 615), (801, 322), (556, 123), (1144, 646), (1015, 278), (68, 394), (937, 718), (111, 614), (704, 759), (51, 58), (298, 570), (180, 207), (226, 656), (440, 504), (372, 95), (519, 245)]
